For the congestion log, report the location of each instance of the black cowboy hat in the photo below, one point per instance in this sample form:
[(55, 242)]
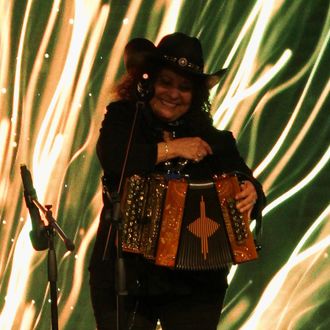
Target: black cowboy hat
[(178, 50)]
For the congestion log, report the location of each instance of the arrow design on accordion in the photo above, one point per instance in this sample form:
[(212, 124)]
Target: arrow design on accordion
[(203, 227)]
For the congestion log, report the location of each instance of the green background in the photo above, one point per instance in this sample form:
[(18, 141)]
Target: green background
[(58, 61)]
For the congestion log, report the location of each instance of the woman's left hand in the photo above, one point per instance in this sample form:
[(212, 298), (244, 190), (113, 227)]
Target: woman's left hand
[(247, 197)]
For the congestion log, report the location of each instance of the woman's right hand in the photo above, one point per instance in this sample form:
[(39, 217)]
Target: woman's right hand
[(191, 148)]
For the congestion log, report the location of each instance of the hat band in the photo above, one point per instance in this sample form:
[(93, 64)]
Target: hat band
[(183, 63)]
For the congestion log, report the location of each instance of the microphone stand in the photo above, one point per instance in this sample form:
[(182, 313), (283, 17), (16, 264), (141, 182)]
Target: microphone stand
[(116, 228), (52, 264)]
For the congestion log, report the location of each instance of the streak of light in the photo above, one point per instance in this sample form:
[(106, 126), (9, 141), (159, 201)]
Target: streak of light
[(285, 132), (308, 269), (33, 80), (317, 223), (300, 137), (245, 70), (28, 315), (232, 273), (246, 27), (169, 22), (49, 146), (17, 81), (4, 133), (300, 185), (80, 264), (49, 142), (20, 271), (6, 10), (266, 77), (115, 57), (278, 280), (237, 296), (296, 258)]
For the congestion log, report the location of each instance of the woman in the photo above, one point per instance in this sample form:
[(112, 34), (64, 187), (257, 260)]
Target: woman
[(172, 132)]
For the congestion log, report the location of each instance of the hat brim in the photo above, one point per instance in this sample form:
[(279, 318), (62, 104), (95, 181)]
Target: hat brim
[(214, 78)]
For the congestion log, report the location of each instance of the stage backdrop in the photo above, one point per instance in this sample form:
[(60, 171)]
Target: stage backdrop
[(58, 61)]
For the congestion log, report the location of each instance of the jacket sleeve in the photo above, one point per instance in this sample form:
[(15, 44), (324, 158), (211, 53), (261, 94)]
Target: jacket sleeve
[(113, 140)]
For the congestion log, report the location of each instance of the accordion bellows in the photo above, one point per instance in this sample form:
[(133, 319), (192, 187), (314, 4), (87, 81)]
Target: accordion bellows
[(185, 224)]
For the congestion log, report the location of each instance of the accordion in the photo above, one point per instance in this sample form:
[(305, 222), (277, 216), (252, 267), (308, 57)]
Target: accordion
[(184, 224)]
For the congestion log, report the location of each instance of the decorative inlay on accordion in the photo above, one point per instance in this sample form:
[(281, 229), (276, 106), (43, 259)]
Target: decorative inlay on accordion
[(184, 224)]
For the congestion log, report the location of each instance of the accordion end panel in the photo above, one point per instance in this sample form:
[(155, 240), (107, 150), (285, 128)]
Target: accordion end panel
[(237, 225), (171, 223)]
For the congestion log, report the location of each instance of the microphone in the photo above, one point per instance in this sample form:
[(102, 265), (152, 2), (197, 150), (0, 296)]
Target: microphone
[(38, 235), (144, 88)]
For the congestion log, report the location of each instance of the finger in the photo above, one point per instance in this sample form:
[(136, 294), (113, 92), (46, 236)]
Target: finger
[(243, 194), (250, 197), (244, 206), (202, 145), (208, 150), (247, 189), (202, 152), (245, 203), (247, 197)]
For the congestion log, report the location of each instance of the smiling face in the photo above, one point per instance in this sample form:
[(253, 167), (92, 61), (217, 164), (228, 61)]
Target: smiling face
[(173, 95)]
